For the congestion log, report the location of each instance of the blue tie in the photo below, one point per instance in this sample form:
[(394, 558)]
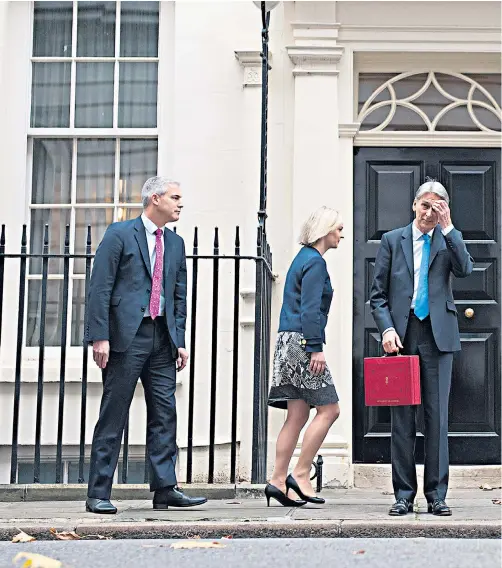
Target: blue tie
[(422, 301)]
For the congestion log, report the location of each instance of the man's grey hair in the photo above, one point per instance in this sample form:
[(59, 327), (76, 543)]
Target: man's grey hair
[(433, 186), (155, 185)]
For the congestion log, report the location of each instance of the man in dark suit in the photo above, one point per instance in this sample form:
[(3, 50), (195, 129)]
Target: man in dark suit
[(412, 304), (136, 323)]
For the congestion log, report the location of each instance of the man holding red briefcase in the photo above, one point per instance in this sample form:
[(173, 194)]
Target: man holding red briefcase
[(412, 304)]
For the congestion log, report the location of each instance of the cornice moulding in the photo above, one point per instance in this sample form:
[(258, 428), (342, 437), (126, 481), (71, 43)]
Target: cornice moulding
[(424, 139), (428, 29), (250, 58), (300, 55), (348, 130), (430, 34)]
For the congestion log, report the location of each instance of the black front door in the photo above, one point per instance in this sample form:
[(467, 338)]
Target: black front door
[(385, 182)]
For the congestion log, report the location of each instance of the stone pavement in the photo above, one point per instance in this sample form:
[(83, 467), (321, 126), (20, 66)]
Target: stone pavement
[(243, 513)]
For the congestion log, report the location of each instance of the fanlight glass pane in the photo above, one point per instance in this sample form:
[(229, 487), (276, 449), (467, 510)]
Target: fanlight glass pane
[(451, 89)]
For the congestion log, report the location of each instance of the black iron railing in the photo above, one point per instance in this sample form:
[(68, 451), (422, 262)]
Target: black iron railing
[(263, 293)]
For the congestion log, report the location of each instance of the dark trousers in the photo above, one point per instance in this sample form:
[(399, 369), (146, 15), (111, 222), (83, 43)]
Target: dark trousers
[(151, 358), (435, 378)]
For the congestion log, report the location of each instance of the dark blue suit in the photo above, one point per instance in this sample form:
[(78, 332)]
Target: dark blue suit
[(140, 347), (434, 339)]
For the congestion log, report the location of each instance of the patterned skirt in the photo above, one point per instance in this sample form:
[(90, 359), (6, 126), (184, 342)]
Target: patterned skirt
[(292, 379)]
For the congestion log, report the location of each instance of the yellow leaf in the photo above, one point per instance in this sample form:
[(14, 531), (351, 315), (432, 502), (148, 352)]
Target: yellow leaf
[(23, 537), (65, 535), (36, 561), (197, 544)]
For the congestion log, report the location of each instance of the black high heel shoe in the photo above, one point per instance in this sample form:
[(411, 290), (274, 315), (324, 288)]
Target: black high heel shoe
[(291, 484), (271, 491)]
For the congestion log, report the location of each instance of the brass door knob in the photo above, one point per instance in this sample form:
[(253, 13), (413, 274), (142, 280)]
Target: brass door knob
[(469, 313)]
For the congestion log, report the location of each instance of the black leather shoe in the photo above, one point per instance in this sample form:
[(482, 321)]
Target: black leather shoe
[(173, 497), (292, 484), (439, 507), (401, 507), (100, 506)]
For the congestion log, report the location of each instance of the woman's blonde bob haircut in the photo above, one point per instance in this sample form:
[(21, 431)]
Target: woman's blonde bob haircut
[(322, 221)]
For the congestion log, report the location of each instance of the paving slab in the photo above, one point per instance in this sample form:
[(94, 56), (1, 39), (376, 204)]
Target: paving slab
[(347, 513)]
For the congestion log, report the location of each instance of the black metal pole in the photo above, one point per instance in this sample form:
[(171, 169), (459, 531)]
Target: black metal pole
[(262, 212)]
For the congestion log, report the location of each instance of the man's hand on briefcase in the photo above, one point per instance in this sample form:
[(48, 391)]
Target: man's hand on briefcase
[(101, 352), (391, 342), (182, 360)]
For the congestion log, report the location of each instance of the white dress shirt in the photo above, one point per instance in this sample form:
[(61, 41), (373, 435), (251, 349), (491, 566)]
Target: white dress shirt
[(150, 228), (418, 247)]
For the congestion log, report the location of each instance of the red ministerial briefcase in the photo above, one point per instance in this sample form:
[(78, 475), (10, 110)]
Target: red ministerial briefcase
[(392, 381)]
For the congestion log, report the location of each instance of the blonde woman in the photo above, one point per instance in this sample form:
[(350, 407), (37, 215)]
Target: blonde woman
[(301, 378)]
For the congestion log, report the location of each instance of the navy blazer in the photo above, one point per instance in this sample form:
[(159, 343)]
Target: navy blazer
[(307, 298), (392, 288), (121, 280)]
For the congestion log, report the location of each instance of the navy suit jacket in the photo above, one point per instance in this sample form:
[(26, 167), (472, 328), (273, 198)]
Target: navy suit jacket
[(121, 281), (392, 288)]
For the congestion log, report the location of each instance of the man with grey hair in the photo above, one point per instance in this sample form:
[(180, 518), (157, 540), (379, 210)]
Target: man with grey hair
[(412, 303), (136, 324)]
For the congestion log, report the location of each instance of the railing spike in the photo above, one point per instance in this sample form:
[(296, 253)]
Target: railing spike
[(216, 240), (195, 239)]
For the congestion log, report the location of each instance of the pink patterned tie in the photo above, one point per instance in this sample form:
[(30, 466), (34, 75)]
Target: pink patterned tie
[(157, 275)]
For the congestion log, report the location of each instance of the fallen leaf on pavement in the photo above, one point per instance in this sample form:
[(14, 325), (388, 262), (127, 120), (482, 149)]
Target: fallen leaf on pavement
[(359, 552), (497, 501), (65, 535), (23, 537), (187, 544), (36, 561), (486, 487), (233, 502)]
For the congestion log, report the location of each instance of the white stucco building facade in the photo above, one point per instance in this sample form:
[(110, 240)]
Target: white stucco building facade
[(327, 57)]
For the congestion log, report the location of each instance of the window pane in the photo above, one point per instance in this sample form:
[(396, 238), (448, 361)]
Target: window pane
[(138, 95), (53, 314), (73, 471), (26, 471), (51, 176), (94, 95), (138, 162), (95, 171), (135, 471), (139, 29), (96, 29), (431, 102), (127, 213), (50, 95), (77, 324), (52, 29), (57, 219), (98, 219)]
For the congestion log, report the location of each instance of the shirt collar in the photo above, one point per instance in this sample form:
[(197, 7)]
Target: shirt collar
[(150, 226), (417, 233)]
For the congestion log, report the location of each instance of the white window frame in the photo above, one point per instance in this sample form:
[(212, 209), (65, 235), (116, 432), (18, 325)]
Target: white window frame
[(74, 353)]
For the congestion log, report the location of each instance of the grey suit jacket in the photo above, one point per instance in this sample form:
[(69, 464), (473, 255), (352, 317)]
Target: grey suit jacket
[(121, 281), (392, 288)]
